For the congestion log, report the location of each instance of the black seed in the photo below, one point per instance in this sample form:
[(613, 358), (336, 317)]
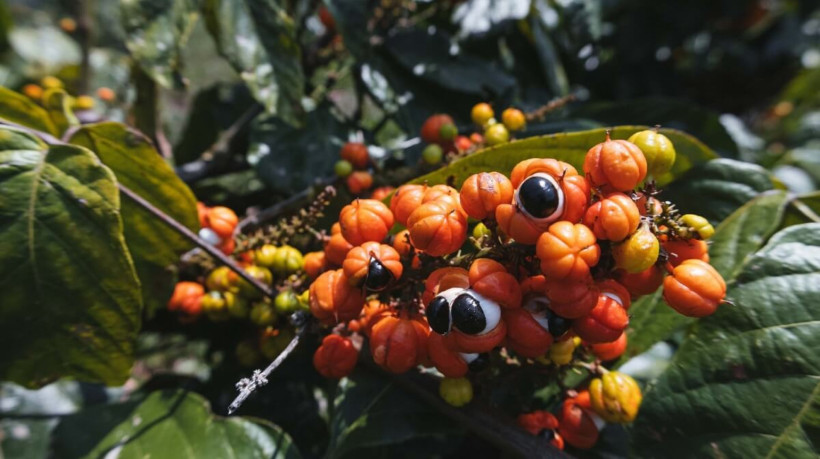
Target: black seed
[(479, 363), (539, 197), (557, 325), (468, 316), (438, 315), (378, 277)]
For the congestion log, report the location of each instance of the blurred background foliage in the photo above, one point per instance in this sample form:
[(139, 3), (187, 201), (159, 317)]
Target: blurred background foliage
[(251, 100)]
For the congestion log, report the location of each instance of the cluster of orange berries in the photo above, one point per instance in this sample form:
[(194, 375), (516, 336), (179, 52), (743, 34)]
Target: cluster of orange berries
[(353, 166), (556, 260), (39, 92), (442, 136)]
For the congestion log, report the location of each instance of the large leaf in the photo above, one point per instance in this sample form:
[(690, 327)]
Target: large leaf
[(259, 39), (671, 113), (745, 383), (373, 413), (351, 18), (289, 160), (569, 147), (21, 110), (137, 165), (71, 300), (157, 30), (715, 189), (168, 424), (741, 234), (429, 55)]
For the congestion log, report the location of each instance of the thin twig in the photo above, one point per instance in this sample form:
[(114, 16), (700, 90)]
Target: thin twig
[(805, 210), (85, 37), (246, 386), (209, 249)]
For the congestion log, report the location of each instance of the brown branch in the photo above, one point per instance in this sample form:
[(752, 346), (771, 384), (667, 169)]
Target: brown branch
[(184, 231)]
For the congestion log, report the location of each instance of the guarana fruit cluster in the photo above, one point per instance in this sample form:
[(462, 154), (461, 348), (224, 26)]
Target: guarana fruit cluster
[(223, 295), (444, 141), (540, 268)]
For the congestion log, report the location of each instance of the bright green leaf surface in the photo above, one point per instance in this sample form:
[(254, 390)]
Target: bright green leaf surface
[(71, 301), (169, 424), (21, 110)]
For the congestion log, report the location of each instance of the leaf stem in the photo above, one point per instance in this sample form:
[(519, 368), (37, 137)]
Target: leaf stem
[(184, 231)]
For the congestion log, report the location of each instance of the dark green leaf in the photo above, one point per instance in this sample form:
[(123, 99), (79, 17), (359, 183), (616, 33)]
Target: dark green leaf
[(21, 110), (157, 30), (671, 113), (803, 209), (744, 232), (434, 59), (350, 17), (289, 160), (569, 147), (137, 165), (168, 424), (259, 40), (745, 383), (372, 412), (71, 300), (715, 189), (551, 64)]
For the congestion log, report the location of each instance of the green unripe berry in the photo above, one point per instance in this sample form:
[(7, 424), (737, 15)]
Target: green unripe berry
[(496, 134), (432, 154), (658, 150), (448, 131), (259, 273), (286, 302), (343, 168), (287, 261), (265, 255), (263, 314)]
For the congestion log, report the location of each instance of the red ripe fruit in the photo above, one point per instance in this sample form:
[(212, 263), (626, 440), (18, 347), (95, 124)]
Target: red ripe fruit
[(516, 224), (359, 265), (365, 220), (680, 250), (359, 181), (335, 357), (616, 164), (382, 192), (608, 319), (613, 218), (482, 193), (431, 129), (486, 342), (610, 351), (642, 283), (405, 200), (399, 344), (187, 298), (438, 227), (577, 425), (446, 359), (572, 299), (356, 154), (694, 288), (372, 313), (333, 300), (567, 251), (222, 221), (526, 335), (463, 143), (490, 279)]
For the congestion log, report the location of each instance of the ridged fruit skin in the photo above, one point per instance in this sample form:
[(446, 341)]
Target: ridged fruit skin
[(615, 397), (694, 289)]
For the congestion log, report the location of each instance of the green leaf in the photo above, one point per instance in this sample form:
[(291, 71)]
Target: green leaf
[(168, 424), (716, 188), (19, 109), (571, 147), (350, 17), (427, 56), (746, 383), (744, 232), (259, 40), (137, 165), (44, 49), (71, 300), (670, 113), (157, 30), (372, 412), (553, 69), (803, 209)]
